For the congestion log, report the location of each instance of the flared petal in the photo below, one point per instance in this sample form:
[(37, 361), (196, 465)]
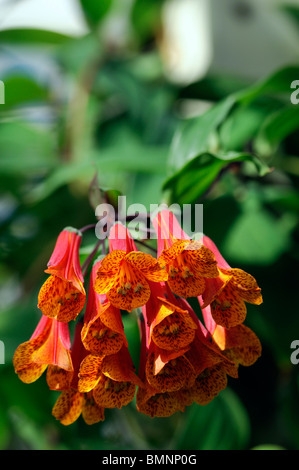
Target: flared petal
[(89, 373), (240, 343), (59, 299), (91, 412), (68, 406), (158, 405)]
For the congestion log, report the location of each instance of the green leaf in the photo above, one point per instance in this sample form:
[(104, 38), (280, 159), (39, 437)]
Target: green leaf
[(199, 135), (22, 89), (32, 36), (95, 11), (196, 177), (194, 136), (277, 84), (275, 129)]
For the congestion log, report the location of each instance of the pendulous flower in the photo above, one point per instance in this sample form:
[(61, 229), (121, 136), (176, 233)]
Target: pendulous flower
[(71, 403), (123, 275), (48, 347), (62, 296), (111, 379), (103, 330), (228, 293), (187, 262), (239, 343)]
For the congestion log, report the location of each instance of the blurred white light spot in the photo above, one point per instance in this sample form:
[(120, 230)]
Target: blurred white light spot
[(186, 46)]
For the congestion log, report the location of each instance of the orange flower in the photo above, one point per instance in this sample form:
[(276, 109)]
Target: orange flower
[(187, 262), (111, 379), (240, 344), (62, 296), (103, 330), (48, 347), (228, 293), (170, 326), (176, 379), (123, 275), (71, 403)]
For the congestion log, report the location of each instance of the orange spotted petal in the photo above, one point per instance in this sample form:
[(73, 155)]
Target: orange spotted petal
[(147, 265), (130, 290), (240, 342), (186, 287), (59, 299), (91, 412), (113, 394), (173, 328), (245, 285), (177, 373), (208, 385), (58, 379), (68, 406), (159, 405), (228, 309), (89, 373), (119, 367)]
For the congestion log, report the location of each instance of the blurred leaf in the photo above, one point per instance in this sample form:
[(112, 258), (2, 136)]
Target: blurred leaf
[(22, 89), (292, 11), (194, 136), (145, 16), (197, 135), (25, 149), (95, 11), (196, 177), (276, 127), (223, 424), (32, 36), (243, 124), (127, 154), (276, 84), (257, 236)]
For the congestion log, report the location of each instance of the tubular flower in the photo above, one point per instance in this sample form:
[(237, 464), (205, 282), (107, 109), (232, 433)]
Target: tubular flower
[(123, 275), (187, 262), (111, 379), (71, 403), (103, 331), (228, 293), (176, 379), (48, 347), (171, 327), (62, 296), (239, 344)]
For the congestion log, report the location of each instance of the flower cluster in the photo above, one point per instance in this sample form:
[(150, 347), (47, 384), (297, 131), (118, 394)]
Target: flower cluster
[(183, 359)]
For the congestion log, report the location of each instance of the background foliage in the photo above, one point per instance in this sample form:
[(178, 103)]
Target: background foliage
[(108, 109)]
